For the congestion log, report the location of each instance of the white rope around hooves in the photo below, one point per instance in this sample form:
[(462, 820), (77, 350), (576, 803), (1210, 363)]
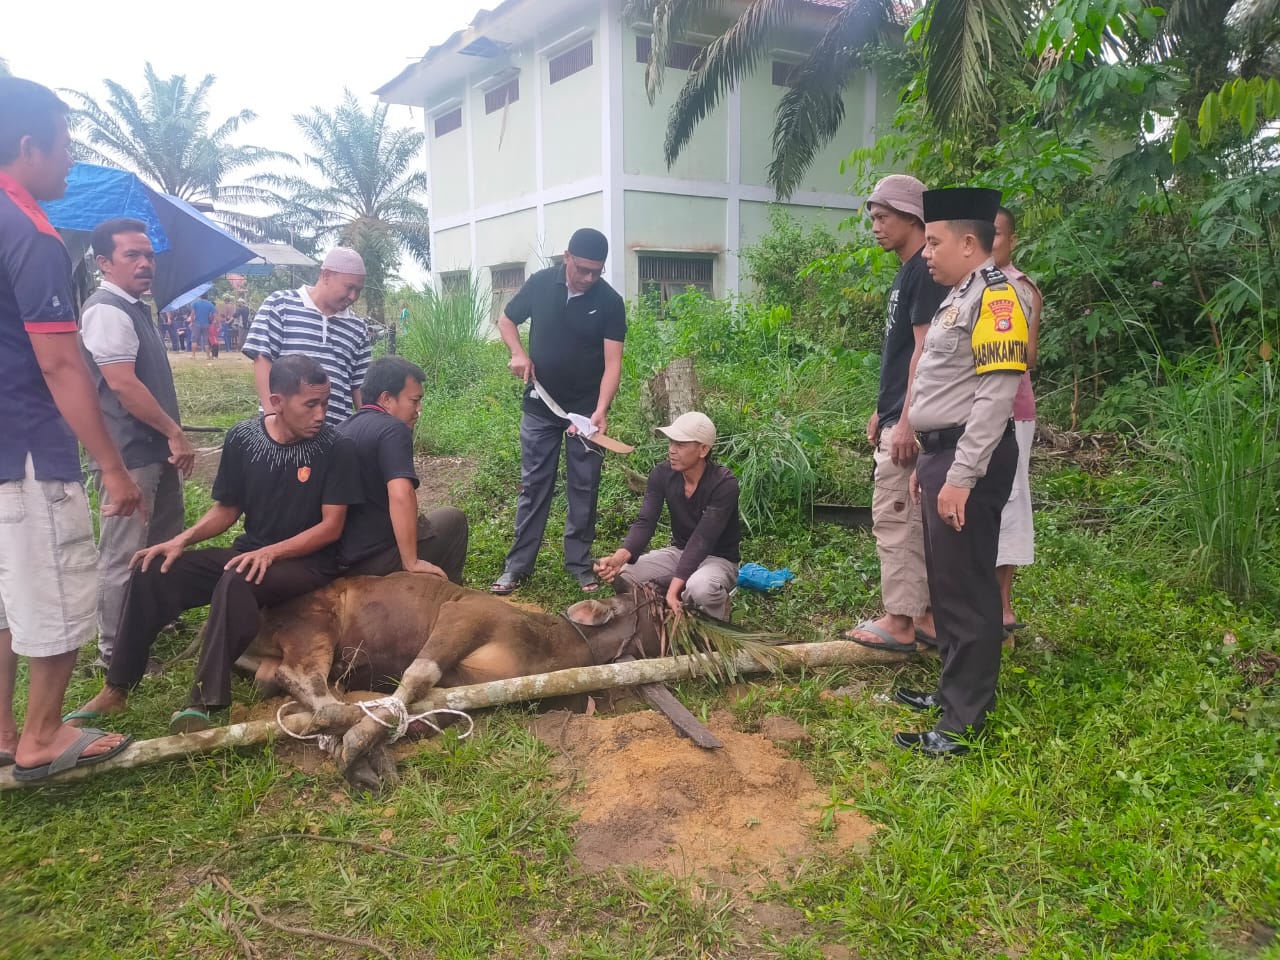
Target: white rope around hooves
[(401, 720)]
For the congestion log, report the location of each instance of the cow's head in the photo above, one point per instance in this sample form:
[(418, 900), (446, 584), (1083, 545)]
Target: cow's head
[(625, 624)]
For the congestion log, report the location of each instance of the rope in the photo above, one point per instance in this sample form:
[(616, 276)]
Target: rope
[(399, 726), (403, 718), (325, 741)]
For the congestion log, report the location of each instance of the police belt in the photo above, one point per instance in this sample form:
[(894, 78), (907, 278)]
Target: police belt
[(935, 441)]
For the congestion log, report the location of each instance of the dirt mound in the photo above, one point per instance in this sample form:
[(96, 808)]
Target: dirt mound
[(652, 798)]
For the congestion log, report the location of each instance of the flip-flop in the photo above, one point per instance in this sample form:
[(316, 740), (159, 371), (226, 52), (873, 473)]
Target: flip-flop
[(83, 715), (505, 585), (928, 639), (71, 757), (589, 586), (6, 758), (888, 641), (190, 720), (1014, 627)]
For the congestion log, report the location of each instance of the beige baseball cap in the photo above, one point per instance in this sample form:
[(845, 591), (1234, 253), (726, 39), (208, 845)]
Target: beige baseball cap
[(691, 427)]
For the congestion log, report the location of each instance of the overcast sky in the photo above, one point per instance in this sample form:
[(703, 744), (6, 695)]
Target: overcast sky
[(275, 58)]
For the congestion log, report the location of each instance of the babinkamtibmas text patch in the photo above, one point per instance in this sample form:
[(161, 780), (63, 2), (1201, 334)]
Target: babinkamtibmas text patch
[(1000, 335)]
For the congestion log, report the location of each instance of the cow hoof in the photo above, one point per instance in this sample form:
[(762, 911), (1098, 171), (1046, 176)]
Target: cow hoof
[(374, 772), (328, 716)]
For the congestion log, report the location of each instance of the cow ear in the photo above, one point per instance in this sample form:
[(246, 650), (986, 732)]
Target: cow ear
[(590, 613)]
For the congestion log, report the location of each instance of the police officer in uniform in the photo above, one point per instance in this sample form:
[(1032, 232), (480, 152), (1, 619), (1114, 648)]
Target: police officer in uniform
[(961, 405)]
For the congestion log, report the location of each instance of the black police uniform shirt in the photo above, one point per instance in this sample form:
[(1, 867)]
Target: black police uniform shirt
[(384, 452), (913, 301), (566, 338), (281, 487)]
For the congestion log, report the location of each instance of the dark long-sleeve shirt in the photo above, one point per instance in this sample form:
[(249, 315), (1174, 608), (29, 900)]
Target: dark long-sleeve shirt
[(703, 525)]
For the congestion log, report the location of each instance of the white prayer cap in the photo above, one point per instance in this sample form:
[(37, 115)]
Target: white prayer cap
[(344, 260)]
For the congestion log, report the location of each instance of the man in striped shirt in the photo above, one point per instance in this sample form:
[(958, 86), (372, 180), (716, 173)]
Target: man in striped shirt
[(317, 322)]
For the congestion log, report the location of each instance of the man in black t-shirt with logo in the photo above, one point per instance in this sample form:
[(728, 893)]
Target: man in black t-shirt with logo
[(291, 478), (577, 326), (384, 533), (897, 217)]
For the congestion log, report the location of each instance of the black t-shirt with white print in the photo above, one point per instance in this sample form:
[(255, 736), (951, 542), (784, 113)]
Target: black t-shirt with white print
[(281, 487), (913, 301)]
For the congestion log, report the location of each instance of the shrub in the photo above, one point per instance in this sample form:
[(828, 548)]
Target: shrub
[(443, 333)]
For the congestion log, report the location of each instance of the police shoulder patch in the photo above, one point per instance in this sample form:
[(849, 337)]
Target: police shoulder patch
[(993, 276), (999, 337)]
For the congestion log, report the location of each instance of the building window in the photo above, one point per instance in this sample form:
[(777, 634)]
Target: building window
[(501, 95), (571, 61), (454, 282), (784, 73), (680, 56), (505, 282), (668, 274), (448, 122)]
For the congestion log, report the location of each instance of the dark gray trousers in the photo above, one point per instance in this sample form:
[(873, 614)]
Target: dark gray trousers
[(540, 442), (963, 590), (442, 540)]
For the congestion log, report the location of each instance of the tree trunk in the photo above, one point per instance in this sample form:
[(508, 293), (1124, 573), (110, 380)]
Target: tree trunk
[(802, 656), (672, 391)]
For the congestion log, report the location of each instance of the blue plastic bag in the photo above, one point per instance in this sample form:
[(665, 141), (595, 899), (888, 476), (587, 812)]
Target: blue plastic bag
[(754, 576)]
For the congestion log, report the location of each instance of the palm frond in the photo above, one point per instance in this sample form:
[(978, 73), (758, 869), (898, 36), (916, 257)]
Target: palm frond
[(670, 20), (729, 57), (960, 48), (810, 113), (696, 635)]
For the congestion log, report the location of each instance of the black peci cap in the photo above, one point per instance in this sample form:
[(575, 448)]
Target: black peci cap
[(590, 244), (961, 203)]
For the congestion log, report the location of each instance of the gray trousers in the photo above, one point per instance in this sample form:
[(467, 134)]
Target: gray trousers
[(442, 540), (707, 588), (540, 442), (120, 538)]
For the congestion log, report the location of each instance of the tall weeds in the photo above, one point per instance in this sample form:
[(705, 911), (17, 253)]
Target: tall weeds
[(444, 330), (1218, 417)]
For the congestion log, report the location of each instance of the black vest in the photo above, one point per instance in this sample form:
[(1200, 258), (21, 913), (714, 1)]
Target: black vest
[(138, 443)]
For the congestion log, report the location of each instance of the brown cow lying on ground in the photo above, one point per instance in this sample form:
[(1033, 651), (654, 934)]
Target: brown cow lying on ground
[(408, 633)]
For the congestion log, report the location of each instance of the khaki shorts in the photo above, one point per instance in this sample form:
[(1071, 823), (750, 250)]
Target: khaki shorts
[(48, 566)]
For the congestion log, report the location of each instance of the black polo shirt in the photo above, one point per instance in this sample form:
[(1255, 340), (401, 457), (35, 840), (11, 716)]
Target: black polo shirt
[(566, 338)]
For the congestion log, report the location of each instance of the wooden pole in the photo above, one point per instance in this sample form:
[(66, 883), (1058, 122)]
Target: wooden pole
[(794, 657)]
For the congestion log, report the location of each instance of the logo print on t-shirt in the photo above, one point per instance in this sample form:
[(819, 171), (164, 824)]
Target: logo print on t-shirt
[(304, 474)]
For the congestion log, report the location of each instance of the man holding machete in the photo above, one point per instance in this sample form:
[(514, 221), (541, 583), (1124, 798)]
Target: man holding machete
[(577, 325)]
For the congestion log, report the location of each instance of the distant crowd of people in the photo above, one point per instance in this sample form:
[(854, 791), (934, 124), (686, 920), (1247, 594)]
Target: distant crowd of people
[(204, 325)]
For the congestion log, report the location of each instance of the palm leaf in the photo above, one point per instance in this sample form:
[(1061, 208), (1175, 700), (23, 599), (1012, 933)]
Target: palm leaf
[(729, 57), (810, 113), (960, 49), (696, 635)]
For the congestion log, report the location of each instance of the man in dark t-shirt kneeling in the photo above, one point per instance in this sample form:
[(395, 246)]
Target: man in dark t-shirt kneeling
[(702, 497), (291, 478), (384, 533)]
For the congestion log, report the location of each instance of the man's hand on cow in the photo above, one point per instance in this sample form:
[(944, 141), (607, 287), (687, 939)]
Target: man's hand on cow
[(253, 565), (903, 448), (170, 550), (427, 568), (521, 366), (607, 568)]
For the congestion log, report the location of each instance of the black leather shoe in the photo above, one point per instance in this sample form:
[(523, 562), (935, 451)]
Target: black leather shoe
[(931, 743), (917, 700)]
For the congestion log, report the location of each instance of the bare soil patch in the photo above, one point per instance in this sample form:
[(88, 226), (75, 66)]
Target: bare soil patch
[(653, 799), (439, 477)]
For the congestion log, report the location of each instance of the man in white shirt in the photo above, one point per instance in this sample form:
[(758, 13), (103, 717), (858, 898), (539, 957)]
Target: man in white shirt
[(135, 388)]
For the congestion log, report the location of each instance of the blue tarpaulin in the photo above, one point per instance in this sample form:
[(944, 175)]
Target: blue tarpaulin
[(191, 250)]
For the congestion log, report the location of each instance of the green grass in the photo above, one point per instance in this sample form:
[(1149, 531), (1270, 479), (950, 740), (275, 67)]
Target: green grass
[(1125, 803)]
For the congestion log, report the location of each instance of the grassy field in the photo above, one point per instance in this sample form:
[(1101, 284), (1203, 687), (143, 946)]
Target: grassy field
[(1124, 804)]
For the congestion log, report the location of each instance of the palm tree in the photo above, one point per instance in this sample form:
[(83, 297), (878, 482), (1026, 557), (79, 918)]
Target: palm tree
[(961, 37), (164, 135), (365, 193)]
